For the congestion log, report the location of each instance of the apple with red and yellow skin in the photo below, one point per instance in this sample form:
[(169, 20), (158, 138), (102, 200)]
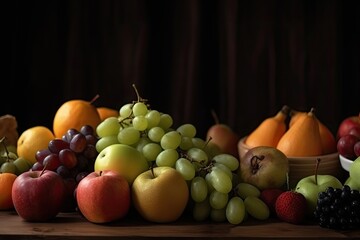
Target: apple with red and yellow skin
[(124, 159), (103, 196), (38, 196), (347, 124), (160, 194)]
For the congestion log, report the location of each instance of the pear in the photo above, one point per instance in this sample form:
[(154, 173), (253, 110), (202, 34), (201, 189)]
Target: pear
[(223, 136)]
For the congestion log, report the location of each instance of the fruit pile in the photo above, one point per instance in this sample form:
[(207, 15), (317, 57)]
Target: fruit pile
[(137, 157)]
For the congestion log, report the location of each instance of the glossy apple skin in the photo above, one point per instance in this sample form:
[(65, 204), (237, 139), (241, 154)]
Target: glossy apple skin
[(38, 198), (311, 189), (122, 158), (354, 171), (103, 196), (162, 198), (346, 125), (269, 172)]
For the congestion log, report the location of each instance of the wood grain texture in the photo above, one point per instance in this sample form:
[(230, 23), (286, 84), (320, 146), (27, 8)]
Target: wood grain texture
[(74, 226)]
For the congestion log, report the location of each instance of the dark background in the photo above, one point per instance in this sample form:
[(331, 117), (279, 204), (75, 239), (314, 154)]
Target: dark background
[(244, 59)]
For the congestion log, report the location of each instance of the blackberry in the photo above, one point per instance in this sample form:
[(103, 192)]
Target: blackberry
[(338, 208)]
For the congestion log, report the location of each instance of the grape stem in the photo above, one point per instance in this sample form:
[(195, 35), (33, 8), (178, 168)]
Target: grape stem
[(139, 99)]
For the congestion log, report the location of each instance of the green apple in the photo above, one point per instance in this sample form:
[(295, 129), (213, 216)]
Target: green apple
[(122, 158), (352, 184), (354, 171), (311, 186)]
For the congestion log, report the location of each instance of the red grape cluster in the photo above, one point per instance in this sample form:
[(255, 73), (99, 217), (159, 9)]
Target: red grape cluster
[(72, 157)]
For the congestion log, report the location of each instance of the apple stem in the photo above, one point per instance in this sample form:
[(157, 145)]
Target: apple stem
[(152, 172), (215, 116), (316, 169), (94, 98)]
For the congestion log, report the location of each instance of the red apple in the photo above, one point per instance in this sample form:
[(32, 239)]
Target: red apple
[(38, 196), (103, 196), (347, 124)]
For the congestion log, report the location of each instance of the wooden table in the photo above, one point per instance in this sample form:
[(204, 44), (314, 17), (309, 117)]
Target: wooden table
[(74, 226)]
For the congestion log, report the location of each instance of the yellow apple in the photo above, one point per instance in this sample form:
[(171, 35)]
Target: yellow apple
[(123, 159), (160, 194)]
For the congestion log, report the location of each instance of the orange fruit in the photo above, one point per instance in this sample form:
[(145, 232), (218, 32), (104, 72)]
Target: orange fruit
[(6, 183), (33, 139), (75, 114), (106, 112)]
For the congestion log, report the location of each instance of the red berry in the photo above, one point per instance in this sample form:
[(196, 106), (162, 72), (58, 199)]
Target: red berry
[(269, 197), (290, 207)]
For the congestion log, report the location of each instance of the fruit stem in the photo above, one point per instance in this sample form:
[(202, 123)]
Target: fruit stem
[(286, 110), (316, 169), (94, 98), (215, 116), (139, 99)]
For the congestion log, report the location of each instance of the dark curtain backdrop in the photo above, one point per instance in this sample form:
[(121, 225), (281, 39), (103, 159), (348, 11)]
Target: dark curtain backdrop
[(244, 59)]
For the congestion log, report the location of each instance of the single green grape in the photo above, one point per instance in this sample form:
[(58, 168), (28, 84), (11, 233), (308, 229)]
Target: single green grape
[(140, 123), (187, 130), (106, 141), (151, 151), (220, 180), (166, 121), (140, 109), (198, 189), (201, 210), (155, 134), (245, 190), (218, 215), (170, 140), (153, 118), (186, 143), (186, 169), (167, 157), (126, 110), (128, 136), (110, 126), (235, 210), (218, 200), (228, 160), (257, 208)]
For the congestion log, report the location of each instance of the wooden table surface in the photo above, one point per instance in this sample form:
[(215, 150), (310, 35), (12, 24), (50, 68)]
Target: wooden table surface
[(74, 226)]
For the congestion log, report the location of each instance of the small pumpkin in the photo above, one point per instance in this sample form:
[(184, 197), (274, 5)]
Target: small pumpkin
[(328, 140), (269, 132), (302, 139)]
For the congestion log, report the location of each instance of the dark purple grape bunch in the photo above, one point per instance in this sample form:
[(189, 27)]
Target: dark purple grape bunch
[(72, 156), (338, 208)]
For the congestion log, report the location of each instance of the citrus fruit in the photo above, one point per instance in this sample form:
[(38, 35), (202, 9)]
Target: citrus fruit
[(32, 140), (106, 112), (75, 114), (6, 182)]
